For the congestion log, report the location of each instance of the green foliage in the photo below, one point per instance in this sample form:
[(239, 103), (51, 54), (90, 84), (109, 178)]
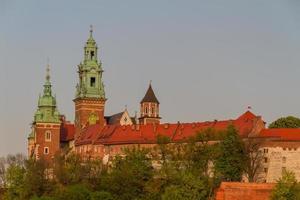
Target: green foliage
[(287, 188), (15, 182), (129, 174), (69, 169), (42, 198), (167, 171), (231, 160), (36, 179), (101, 196), (188, 187), (286, 122), (75, 192)]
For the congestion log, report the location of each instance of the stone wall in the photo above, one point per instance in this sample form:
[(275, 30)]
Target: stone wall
[(244, 191), (280, 156)]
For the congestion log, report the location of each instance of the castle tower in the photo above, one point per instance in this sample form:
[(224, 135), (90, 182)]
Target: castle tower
[(44, 140), (90, 96), (149, 108)]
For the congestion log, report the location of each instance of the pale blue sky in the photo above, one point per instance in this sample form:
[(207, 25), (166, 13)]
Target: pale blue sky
[(207, 59)]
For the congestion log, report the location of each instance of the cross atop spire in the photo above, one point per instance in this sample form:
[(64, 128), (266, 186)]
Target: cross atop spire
[(48, 71), (91, 30)]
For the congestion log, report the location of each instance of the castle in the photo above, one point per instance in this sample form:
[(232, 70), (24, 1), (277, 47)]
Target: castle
[(95, 135)]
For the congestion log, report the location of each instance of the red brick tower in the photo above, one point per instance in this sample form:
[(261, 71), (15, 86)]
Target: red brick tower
[(44, 140), (90, 96), (149, 108)]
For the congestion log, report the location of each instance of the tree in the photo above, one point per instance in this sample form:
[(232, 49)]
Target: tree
[(198, 153), (129, 174), (37, 179), (286, 122), (69, 169), (286, 188), (74, 192), (2, 171), (254, 158), (230, 164), (102, 195), (188, 188), (14, 177)]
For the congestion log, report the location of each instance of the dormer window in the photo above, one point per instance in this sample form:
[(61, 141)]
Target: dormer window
[(93, 81)]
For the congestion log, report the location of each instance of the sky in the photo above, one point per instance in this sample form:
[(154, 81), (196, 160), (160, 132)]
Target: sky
[(207, 59)]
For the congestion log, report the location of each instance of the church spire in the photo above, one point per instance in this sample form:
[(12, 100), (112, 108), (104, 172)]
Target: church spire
[(90, 72), (91, 31), (47, 85), (48, 73), (47, 110), (150, 108), (90, 96)]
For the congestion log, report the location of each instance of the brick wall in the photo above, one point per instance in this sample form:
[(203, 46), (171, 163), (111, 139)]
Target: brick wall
[(244, 191), (52, 144), (83, 109)]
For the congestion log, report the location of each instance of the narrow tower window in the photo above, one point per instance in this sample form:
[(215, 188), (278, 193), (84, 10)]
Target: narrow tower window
[(93, 81), (48, 136), (92, 55), (46, 150), (146, 110)]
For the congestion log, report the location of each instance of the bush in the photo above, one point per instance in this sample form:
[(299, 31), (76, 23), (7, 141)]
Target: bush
[(75, 192), (101, 196)]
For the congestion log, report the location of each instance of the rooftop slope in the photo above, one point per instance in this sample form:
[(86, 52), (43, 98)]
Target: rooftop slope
[(143, 134)]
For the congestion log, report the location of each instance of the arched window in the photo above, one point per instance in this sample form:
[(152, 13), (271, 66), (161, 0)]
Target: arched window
[(146, 110), (48, 136)]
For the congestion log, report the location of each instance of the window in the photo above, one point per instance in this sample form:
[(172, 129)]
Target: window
[(92, 55), (266, 170), (48, 136), (46, 150), (93, 81), (152, 110), (266, 159), (284, 148), (146, 110), (283, 169), (265, 150)]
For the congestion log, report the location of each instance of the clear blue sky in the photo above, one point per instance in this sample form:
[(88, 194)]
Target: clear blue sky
[(207, 59)]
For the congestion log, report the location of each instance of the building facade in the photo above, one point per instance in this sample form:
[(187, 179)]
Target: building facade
[(95, 135)]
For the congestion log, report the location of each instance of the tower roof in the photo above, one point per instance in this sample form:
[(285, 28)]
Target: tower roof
[(47, 110), (91, 41), (150, 96)]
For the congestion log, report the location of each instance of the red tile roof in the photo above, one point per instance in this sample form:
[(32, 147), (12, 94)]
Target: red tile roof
[(285, 134), (131, 134), (67, 132)]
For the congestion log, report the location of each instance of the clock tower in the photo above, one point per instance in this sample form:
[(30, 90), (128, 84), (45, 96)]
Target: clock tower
[(90, 96)]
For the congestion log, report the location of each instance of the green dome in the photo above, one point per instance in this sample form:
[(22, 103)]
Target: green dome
[(47, 110)]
